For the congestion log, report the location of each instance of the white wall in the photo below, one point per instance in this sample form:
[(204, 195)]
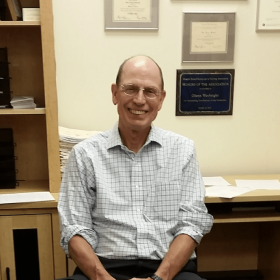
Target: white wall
[(87, 57)]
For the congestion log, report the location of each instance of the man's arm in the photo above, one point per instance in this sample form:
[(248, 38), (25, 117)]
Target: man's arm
[(85, 258), (177, 257)]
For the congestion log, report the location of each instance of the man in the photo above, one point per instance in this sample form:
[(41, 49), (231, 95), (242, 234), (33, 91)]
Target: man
[(131, 200)]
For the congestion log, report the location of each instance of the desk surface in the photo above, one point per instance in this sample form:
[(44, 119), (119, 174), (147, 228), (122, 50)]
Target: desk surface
[(253, 196)]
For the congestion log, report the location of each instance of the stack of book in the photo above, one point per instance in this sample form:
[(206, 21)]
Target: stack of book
[(68, 138), (23, 102)]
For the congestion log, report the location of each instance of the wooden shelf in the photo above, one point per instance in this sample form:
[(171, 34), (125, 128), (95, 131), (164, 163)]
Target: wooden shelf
[(37, 111), (20, 23), (28, 186), (247, 216)]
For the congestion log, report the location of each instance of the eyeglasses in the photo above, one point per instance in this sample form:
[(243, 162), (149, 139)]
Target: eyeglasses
[(132, 90)]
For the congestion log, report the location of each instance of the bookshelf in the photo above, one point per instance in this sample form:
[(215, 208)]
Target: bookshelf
[(30, 47), (32, 70)]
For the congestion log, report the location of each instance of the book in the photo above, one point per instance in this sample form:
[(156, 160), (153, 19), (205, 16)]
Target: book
[(31, 14), (15, 9)]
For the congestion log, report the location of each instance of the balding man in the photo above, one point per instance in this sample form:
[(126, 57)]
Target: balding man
[(131, 202)]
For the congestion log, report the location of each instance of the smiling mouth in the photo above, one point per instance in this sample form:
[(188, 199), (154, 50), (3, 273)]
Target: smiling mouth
[(137, 112)]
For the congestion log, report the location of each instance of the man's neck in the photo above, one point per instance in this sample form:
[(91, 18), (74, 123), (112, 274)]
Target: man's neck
[(133, 139)]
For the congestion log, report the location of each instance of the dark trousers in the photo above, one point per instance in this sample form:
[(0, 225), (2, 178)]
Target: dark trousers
[(127, 269)]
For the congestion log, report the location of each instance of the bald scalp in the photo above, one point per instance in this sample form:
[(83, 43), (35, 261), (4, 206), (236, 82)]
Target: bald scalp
[(118, 78)]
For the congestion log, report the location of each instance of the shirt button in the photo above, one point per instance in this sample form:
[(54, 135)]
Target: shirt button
[(137, 186), (138, 210)]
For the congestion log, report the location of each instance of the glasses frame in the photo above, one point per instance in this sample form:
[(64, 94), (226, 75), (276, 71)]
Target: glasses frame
[(140, 88)]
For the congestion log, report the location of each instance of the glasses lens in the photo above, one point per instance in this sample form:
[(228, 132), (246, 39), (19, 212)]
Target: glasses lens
[(130, 89), (150, 92)]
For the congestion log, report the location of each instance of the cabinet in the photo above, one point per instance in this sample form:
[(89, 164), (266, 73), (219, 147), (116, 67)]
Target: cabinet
[(244, 241), (29, 242), (30, 47)]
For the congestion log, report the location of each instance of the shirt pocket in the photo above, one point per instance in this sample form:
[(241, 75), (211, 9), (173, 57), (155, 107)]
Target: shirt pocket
[(163, 202)]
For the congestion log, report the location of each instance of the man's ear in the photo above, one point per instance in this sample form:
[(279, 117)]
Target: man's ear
[(162, 97), (114, 90)]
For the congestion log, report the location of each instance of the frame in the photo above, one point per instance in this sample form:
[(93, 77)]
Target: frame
[(268, 15), (203, 92), (129, 14), (208, 37)]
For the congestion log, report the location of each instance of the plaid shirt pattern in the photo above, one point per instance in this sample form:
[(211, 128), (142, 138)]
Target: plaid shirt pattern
[(132, 206)]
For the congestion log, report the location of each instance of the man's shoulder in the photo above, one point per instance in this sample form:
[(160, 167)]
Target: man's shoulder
[(171, 136), (96, 140)]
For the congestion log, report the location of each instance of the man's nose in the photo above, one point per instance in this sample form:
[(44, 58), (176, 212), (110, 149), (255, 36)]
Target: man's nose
[(140, 97)]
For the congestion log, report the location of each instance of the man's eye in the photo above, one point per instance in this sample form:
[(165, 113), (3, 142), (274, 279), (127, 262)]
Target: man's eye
[(131, 88), (150, 91)]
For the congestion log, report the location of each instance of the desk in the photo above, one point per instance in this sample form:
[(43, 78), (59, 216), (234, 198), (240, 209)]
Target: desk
[(242, 239)]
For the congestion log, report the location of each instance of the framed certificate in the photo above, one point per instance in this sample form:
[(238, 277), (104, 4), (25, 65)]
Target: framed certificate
[(131, 14), (268, 15), (208, 37), (204, 92)]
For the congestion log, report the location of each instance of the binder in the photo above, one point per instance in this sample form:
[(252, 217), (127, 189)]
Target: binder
[(5, 94), (7, 159)]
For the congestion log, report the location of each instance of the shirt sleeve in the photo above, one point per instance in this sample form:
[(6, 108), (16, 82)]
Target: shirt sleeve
[(76, 201), (194, 219)]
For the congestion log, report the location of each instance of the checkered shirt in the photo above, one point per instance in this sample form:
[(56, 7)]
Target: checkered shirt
[(130, 205)]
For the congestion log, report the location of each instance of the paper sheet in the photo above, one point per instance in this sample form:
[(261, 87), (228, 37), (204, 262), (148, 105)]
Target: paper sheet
[(215, 181), (226, 191), (259, 184), (25, 197)]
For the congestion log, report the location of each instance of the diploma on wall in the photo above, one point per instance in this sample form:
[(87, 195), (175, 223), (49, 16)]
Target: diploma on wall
[(131, 10), (209, 37), (15, 9), (268, 15)]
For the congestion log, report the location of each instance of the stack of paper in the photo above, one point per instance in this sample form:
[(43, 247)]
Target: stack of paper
[(23, 102), (68, 138), (219, 187)]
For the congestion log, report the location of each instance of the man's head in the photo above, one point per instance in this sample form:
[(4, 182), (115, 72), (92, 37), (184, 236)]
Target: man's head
[(118, 78), (138, 110)]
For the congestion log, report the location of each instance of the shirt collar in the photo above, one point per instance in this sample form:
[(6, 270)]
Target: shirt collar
[(114, 138)]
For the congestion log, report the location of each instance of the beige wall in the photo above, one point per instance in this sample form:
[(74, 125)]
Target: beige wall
[(248, 142)]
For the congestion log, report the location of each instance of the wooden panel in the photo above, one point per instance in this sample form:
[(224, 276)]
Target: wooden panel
[(50, 94), (37, 111), (71, 267), (29, 3), (44, 230), (229, 247), (59, 255), (247, 216), (7, 248), (269, 251), (31, 150), (45, 247)]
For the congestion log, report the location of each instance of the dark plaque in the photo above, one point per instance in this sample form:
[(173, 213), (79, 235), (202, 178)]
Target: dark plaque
[(204, 92)]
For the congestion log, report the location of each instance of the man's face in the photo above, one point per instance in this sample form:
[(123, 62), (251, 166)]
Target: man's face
[(138, 112)]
